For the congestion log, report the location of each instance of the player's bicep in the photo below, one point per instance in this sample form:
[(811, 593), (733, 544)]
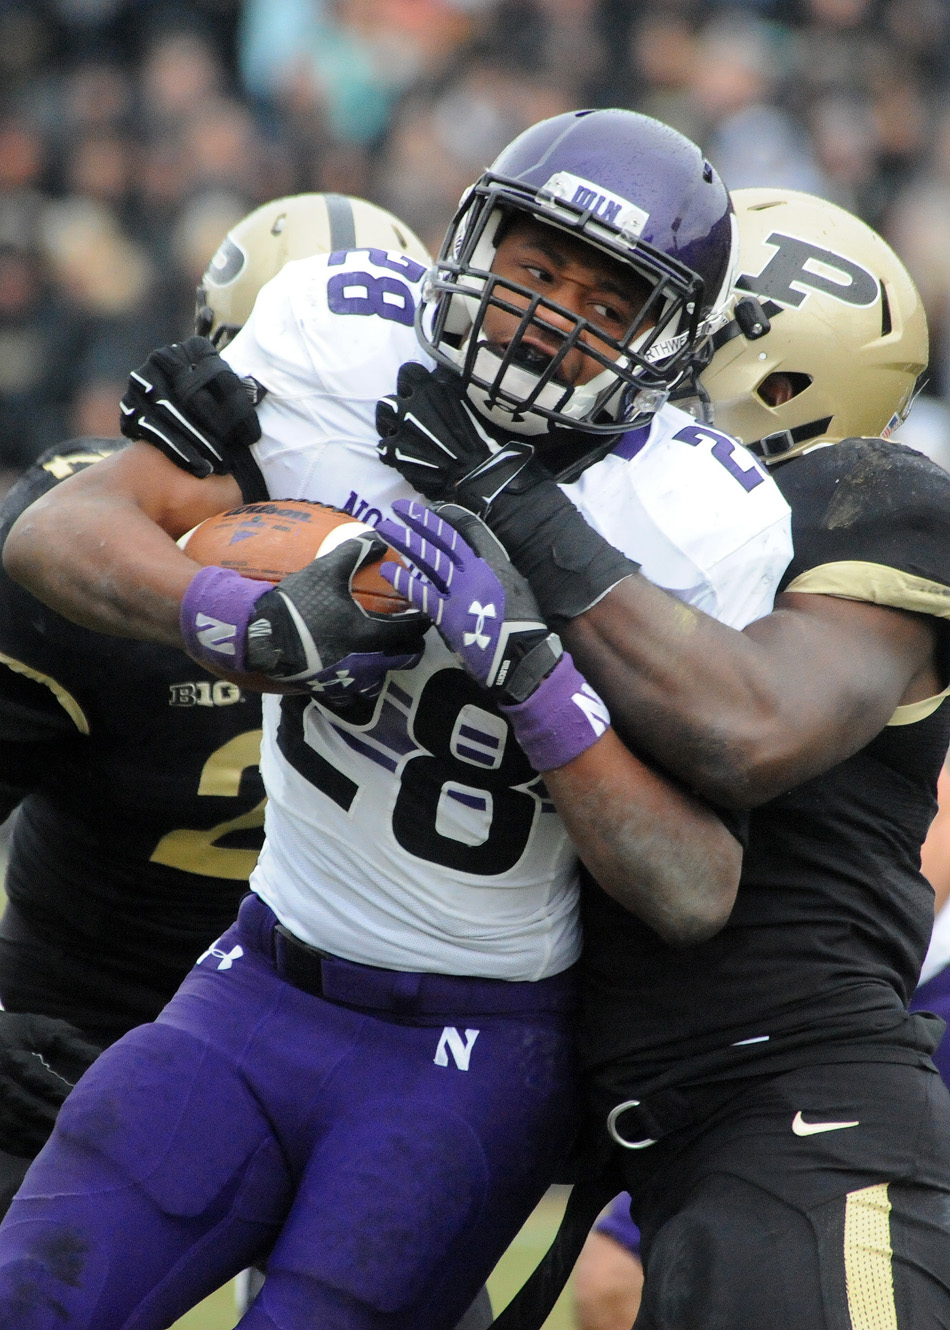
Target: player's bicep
[(143, 478), (848, 664), (138, 482)]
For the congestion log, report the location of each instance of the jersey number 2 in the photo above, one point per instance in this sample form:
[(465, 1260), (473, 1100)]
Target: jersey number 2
[(198, 851)]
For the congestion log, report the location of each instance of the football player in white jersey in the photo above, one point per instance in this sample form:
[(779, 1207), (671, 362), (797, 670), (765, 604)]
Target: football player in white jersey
[(382, 1045)]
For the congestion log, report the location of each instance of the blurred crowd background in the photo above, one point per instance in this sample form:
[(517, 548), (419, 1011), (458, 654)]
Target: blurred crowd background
[(134, 133)]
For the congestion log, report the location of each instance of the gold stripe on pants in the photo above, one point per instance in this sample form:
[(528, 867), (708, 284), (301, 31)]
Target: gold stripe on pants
[(868, 1259)]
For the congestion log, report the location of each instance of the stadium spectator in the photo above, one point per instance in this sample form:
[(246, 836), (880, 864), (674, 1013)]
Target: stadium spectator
[(854, 92)]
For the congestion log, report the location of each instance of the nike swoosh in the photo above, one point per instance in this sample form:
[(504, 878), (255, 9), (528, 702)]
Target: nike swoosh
[(802, 1128)]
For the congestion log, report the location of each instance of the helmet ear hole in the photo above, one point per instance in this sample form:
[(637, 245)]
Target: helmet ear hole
[(887, 323), (781, 386)]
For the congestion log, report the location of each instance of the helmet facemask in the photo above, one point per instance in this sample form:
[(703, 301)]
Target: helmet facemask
[(517, 386)]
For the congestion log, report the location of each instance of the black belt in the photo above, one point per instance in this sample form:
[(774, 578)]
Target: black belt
[(410, 992)]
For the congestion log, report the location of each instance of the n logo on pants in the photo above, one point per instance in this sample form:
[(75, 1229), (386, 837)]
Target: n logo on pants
[(451, 1042)]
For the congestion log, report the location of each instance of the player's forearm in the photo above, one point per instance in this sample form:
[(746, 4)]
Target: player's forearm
[(119, 579), (100, 549), (680, 686), (659, 852), (744, 716)]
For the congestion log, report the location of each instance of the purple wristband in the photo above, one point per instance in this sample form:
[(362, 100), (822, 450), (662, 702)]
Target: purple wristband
[(215, 610), (561, 718)]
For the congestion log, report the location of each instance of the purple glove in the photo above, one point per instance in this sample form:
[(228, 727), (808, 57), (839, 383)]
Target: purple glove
[(486, 613), (307, 629)]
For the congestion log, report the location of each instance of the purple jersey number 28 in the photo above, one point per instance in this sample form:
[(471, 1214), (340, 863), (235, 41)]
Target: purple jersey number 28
[(366, 293)]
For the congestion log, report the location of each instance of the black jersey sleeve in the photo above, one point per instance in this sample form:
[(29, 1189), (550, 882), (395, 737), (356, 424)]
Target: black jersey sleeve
[(870, 521), (36, 707), (30, 710), (56, 464)]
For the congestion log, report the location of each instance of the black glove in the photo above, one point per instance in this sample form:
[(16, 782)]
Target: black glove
[(309, 628), (432, 436), (41, 1059), (429, 431), (191, 405)]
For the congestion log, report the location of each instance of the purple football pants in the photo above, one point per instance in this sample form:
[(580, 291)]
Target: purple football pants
[(380, 1160)]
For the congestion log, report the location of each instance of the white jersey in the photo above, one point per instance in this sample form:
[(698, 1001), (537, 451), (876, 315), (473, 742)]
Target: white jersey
[(422, 839)]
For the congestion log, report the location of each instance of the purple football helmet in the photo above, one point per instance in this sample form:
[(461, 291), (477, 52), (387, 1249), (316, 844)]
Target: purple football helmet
[(636, 190)]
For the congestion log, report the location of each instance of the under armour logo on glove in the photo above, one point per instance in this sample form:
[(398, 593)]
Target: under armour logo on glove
[(450, 582), (479, 637), (341, 679)]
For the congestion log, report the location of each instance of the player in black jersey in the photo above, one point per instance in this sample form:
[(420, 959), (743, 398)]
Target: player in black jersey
[(765, 1096), (140, 817), (140, 806), (857, 369)]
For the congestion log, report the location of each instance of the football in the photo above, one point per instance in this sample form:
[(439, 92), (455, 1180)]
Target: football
[(266, 541)]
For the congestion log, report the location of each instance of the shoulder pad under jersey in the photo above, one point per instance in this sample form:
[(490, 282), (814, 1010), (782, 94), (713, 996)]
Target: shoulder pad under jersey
[(870, 521)]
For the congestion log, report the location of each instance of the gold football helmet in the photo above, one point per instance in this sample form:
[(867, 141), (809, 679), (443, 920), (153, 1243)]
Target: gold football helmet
[(844, 337), (295, 227)]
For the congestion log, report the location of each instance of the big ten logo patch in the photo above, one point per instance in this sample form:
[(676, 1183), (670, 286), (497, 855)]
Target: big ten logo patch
[(204, 693)]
